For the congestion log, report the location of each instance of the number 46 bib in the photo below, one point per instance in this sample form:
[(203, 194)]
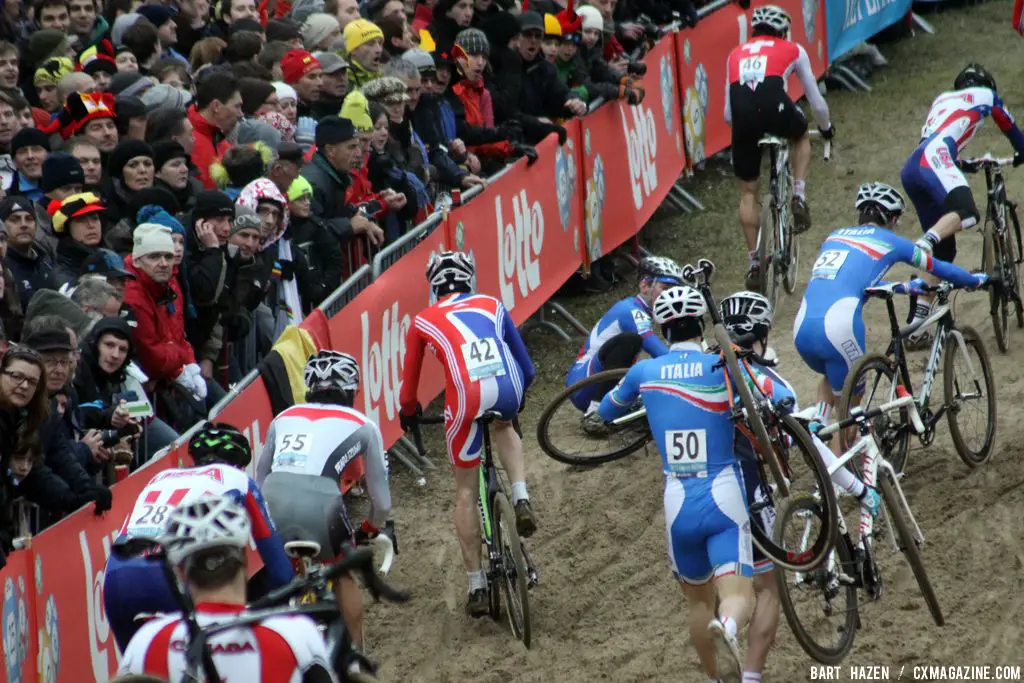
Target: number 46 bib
[(482, 359), (686, 452)]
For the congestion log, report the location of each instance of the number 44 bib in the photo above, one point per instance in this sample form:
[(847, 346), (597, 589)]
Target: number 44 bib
[(686, 452), (482, 359)]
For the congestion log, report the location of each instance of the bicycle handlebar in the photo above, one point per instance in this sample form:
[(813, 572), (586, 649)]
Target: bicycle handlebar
[(982, 162)]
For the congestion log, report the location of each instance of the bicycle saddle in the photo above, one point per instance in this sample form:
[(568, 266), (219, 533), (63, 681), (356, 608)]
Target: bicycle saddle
[(490, 416), (302, 549), (771, 141)]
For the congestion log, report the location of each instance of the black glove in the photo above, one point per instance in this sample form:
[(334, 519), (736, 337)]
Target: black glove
[(526, 151), (563, 134), (104, 500), (409, 421), (511, 130), (828, 134), (635, 96), (1018, 159), (287, 269), (636, 68)]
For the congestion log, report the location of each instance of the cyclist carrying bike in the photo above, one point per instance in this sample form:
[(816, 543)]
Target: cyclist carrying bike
[(708, 528), (932, 177), (757, 104), (748, 317), (206, 540), (624, 331), (136, 586), (829, 331), (487, 368), (307, 448)]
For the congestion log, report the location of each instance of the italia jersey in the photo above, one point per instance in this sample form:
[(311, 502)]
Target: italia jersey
[(852, 259), (172, 488), (276, 650), (958, 114), (629, 315), (320, 441)]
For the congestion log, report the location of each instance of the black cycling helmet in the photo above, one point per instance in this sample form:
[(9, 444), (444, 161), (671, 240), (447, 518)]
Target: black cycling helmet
[(974, 75), (220, 442)]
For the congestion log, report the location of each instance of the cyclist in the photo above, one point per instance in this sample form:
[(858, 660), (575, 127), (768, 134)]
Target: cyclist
[(828, 331), (623, 332), (136, 586), (205, 539), (307, 448), (486, 368), (932, 178), (709, 546), (748, 317), (757, 104)]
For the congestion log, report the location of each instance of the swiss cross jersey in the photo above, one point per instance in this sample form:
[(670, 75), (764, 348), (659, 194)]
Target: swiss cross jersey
[(632, 314), (852, 259), (285, 649), (958, 114), (319, 440), (172, 488), (475, 339)]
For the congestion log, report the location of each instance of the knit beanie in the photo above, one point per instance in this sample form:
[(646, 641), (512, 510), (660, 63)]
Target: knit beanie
[(301, 9), (282, 30), (47, 43), (387, 90), (52, 70), (360, 32), (165, 150), (254, 130), (155, 215), (332, 130), (285, 91), (473, 41), (254, 93), (356, 108), (245, 219), (150, 238), (125, 151), (419, 58), (212, 204), (158, 195), (29, 137), (129, 84), (299, 188), (317, 27), (297, 63), (122, 24), (163, 96), (158, 15), (61, 169), (591, 17)]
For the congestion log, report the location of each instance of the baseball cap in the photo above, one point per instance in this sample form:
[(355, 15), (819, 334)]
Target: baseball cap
[(330, 62)]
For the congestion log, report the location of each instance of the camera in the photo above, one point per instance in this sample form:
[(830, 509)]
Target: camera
[(109, 437)]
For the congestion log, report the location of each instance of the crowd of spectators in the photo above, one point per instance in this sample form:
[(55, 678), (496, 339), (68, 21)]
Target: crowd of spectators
[(182, 181)]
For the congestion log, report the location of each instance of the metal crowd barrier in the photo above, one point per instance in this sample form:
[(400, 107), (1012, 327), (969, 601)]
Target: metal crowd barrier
[(390, 254), (348, 291)]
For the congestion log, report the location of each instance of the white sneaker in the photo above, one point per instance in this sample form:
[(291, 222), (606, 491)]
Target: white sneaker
[(727, 652)]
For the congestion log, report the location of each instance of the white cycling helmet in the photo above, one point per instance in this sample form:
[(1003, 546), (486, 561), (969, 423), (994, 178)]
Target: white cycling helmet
[(208, 522), (772, 16), (677, 303), (450, 267), (747, 312), (332, 370), (887, 197), (660, 268)]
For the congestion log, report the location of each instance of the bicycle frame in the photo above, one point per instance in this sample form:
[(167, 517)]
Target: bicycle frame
[(778, 187)]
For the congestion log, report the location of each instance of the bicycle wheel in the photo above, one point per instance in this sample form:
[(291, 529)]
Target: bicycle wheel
[(1013, 252), (970, 397), (766, 250), (513, 577), (560, 428), (877, 375), (909, 545), (817, 604), (992, 263), (806, 473)]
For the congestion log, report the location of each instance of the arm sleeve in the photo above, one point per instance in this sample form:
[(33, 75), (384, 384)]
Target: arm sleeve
[(206, 277), (411, 369), (1004, 119), (268, 543), (806, 75), (617, 401), (60, 458), (650, 341), (266, 457), (940, 269), (377, 479), (330, 258), (728, 105), (515, 343)]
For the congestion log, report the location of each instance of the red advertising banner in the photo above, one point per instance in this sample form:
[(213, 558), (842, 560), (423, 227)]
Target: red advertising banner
[(652, 136), (372, 328), (524, 231)]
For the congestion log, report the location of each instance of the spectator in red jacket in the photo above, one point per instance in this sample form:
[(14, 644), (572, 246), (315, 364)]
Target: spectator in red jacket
[(217, 109)]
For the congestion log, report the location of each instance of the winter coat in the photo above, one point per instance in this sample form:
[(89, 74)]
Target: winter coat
[(317, 261), (474, 120), (96, 389), (329, 190), (205, 270), (159, 334), (506, 82), (31, 271), (71, 254), (209, 146)]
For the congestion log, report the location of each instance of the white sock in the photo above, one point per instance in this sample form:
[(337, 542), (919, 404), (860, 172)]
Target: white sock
[(752, 257), (823, 412), (477, 579), (751, 677), (799, 188), (730, 625), (842, 477), (519, 492)]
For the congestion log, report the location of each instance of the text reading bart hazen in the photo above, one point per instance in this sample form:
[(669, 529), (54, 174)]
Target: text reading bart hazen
[(916, 673)]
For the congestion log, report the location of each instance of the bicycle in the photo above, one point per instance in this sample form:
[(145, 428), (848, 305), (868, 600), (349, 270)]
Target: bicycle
[(778, 250), (285, 601), (832, 589), (1002, 251), (773, 431), (881, 376), (508, 562)]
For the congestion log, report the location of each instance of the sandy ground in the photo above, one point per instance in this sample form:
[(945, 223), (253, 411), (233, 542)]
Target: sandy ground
[(607, 607)]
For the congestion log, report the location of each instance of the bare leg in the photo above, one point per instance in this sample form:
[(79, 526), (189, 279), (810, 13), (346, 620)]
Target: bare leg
[(748, 213), (510, 450), (701, 606), (800, 158), (735, 598), (467, 524), (350, 603), (764, 623)]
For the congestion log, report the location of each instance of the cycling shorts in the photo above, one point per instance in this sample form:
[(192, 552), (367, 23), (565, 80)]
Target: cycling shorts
[(831, 343), (620, 351), (308, 507), (132, 587), (462, 408), (766, 515), (766, 110), (707, 527)]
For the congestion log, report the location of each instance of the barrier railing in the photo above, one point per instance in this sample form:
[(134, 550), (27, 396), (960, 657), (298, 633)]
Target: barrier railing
[(530, 229)]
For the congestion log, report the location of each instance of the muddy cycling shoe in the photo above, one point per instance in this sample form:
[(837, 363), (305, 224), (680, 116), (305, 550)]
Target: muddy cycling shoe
[(754, 276), (727, 652), (593, 425), (871, 501), (918, 342), (478, 603), (526, 521), (801, 216)]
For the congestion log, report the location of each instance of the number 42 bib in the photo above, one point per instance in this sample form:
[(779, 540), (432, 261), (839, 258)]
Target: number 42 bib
[(483, 359)]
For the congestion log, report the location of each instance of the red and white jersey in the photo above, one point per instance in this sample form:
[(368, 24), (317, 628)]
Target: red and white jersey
[(958, 114), (277, 650)]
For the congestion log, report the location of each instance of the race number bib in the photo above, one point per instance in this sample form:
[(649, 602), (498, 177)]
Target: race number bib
[(828, 264), (151, 510), (482, 359), (642, 322), (686, 451), (291, 450), (752, 70)]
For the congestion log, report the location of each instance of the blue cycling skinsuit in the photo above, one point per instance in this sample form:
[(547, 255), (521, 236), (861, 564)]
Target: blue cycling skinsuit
[(708, 530), (828, 331), (626, 326), (930, 176)]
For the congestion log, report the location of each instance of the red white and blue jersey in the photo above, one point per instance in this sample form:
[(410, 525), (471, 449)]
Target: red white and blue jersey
[(956, 116), (172, 488)]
